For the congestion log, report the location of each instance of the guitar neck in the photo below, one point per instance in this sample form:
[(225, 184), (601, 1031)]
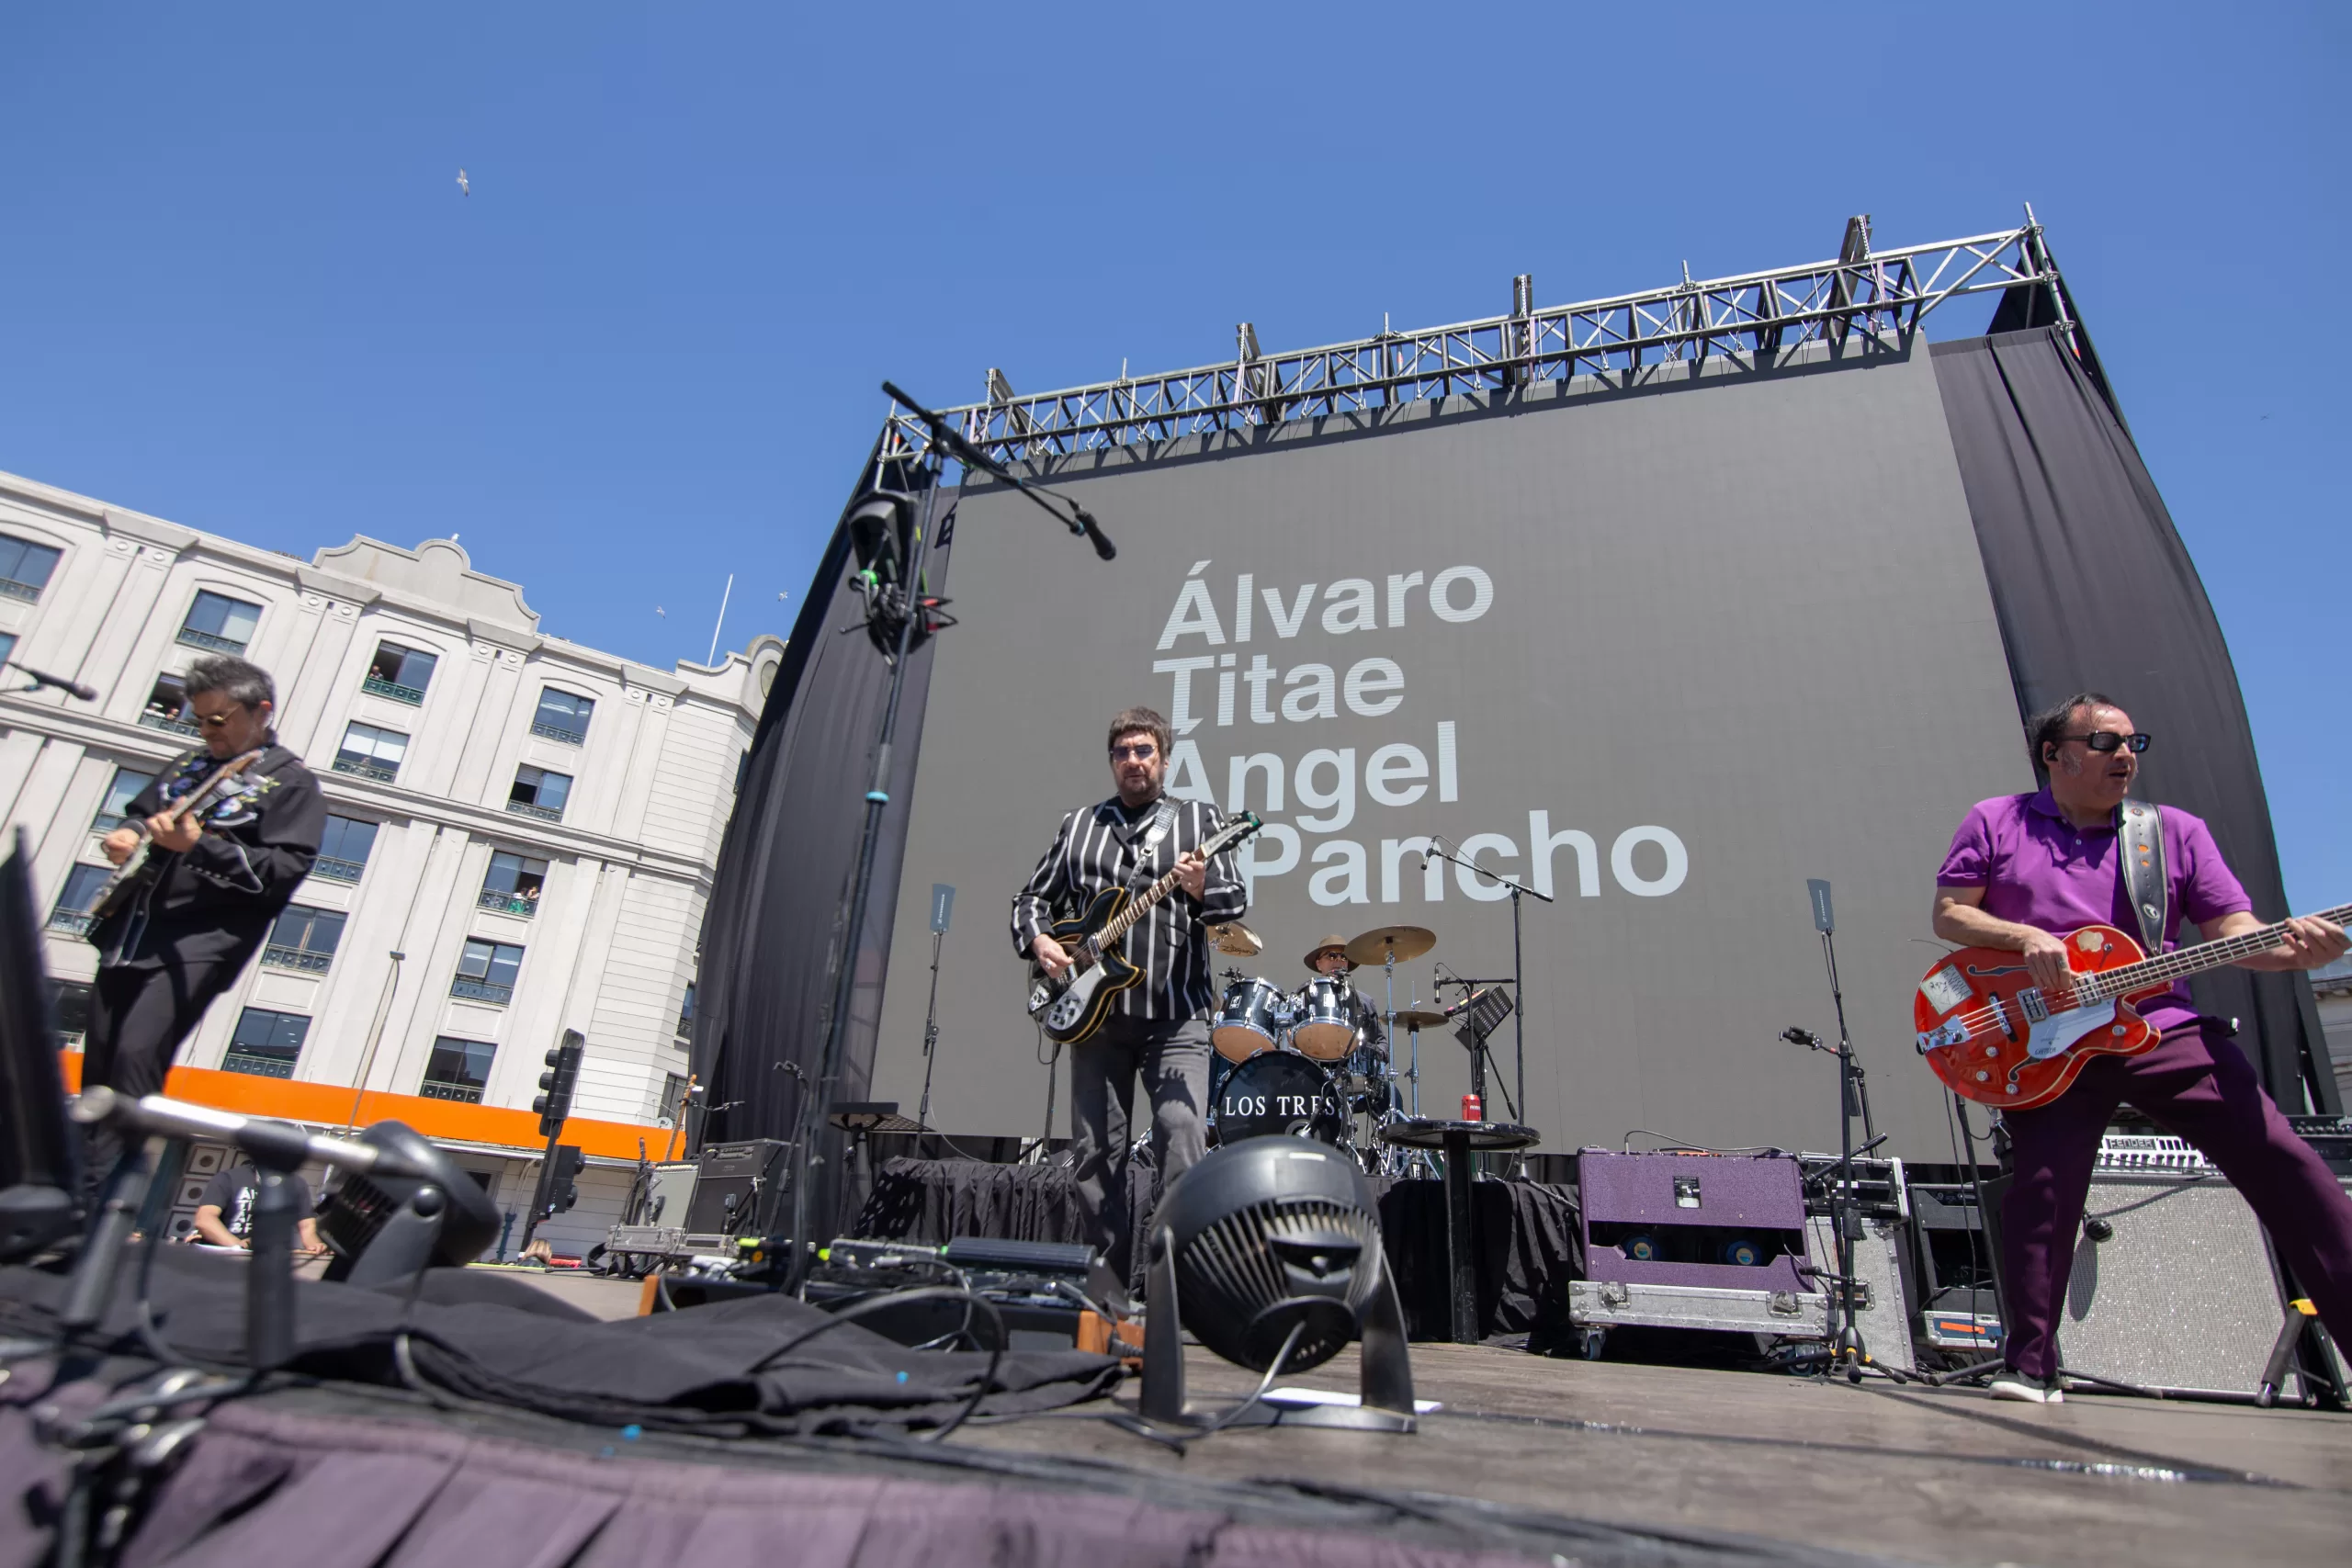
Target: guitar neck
[(1137, 907), (2181, 963)]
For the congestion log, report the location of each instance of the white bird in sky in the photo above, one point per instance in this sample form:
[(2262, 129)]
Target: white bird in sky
[(661, 612), (465, 188)]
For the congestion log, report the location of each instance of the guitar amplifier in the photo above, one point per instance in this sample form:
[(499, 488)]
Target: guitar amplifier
[(2176, 1293), (739, 1188)]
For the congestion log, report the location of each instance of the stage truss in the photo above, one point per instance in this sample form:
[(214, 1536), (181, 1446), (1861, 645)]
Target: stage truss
[(1866, 298)]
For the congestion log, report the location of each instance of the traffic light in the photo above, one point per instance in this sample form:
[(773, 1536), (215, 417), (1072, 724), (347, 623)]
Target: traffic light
[(561, 1079), (563, 1189)]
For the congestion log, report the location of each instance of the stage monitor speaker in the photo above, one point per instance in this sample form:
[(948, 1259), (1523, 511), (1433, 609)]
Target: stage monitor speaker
[(1881, 1314), (737, 1191), (670, 1194), (2179, 1294)]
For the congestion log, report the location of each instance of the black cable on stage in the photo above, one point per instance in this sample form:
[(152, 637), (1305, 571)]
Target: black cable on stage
[(872, 1304)]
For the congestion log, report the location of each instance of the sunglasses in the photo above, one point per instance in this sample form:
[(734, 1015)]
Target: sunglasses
[(1140, 753), (2105, 740)]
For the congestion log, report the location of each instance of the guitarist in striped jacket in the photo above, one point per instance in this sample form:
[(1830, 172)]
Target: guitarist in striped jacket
[(2021, 870), (212, 883), (1158, 1028)]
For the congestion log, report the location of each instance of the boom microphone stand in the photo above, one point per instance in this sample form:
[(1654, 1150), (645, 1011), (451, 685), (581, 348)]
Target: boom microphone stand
[(1846, 1348), (816, 1108), (1517, 966)]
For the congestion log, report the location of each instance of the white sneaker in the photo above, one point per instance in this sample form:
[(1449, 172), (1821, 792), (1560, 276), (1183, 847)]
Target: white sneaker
[(2015, 1384)]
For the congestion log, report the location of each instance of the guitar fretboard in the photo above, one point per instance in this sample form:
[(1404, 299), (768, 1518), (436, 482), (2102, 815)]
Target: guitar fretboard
[(2184, 961)]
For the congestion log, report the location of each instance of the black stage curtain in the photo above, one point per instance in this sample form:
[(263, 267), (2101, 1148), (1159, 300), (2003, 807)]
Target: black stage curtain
[(772, 935), (2094, 589), (1527, 1232)]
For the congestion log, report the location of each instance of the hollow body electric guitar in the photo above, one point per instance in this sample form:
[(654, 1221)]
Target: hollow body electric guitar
[(139, 868), (1073, 1006), (1994, 1036)]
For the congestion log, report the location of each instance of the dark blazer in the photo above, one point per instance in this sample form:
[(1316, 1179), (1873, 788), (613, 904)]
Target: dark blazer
[(216, 902)]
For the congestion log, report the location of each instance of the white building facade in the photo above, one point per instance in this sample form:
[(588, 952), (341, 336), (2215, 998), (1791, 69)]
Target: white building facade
[(531, 824)]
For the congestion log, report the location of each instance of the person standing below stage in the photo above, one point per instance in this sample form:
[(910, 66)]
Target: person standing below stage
[(1157, 1027), (2024, 867), (224, 1211), (219, 878), (1329, 956)]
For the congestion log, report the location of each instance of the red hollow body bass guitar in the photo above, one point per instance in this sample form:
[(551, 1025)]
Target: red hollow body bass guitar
[(1994, 1036)]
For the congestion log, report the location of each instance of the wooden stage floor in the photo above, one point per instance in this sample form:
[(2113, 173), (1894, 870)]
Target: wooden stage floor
[(1906, 1473)]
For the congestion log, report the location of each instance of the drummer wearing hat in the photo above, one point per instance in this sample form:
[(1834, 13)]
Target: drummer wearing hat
[(1329, 957)]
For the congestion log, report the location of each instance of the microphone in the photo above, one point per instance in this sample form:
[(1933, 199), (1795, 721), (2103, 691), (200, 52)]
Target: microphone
[(1103, 546), (42, 678)]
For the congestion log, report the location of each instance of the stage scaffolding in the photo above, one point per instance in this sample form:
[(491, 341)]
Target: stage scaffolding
[(1865, 299)]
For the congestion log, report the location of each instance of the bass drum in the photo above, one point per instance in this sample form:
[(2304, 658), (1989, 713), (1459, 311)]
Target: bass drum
[(1253, 1017), (1323, 1019), (1276, 1091)]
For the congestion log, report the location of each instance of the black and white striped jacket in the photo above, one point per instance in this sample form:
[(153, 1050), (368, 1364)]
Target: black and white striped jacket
[(1097, 848)]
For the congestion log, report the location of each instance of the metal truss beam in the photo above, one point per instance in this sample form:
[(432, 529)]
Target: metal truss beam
[(1866, 298)]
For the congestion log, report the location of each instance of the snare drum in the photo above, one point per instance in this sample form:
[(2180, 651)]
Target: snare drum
[(1323, 1019), (1252, 1018)]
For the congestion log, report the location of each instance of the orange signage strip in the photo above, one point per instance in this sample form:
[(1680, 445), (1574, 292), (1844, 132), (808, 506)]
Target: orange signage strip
[(321, 1104)]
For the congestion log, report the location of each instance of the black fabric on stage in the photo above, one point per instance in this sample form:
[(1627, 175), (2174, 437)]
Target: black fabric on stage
[(771, 934), (690, 1368), (2095, 591), (1527, 1232)]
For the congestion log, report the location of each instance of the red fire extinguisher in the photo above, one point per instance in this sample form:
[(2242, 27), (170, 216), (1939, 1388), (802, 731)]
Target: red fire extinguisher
[(1472, 1110)]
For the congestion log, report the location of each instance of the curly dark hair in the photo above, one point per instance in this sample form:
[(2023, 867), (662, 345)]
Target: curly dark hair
[(2050, 727), (1146, 719)]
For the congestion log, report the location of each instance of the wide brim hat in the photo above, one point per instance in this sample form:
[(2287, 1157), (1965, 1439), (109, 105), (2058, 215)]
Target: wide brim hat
[(1326, 945)]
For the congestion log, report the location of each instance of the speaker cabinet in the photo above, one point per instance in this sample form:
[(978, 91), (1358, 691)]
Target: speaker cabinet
[(1881, 1316), (2179, 1295), (738, 1188)]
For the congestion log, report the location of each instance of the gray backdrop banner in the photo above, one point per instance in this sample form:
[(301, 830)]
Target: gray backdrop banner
[(1665, 654), (2095, 591)]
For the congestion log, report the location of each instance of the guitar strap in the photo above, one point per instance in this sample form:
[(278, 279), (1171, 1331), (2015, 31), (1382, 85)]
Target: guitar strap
[(2140, 841)]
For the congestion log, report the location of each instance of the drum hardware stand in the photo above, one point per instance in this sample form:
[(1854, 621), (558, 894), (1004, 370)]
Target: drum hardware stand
[(943, 902)]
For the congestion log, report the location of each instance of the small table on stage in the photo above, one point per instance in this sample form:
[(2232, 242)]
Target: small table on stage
[(1457, 1141)]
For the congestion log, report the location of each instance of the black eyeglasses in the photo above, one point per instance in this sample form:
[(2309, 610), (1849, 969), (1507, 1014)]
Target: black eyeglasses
[(1140, 753), (2104, 740)]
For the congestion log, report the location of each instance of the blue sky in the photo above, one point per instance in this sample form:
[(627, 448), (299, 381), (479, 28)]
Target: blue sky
[(242, 291)]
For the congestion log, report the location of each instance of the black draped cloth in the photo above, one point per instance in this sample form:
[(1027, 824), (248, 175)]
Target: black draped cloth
[(2095, 591), (1525, 1232)]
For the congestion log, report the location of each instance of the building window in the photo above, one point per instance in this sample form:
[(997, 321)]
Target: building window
[(372, 753), (674, 1096), (343, 849), (167, 707), (219, 624), (24, 567), (304, 939), (486, 972), (400, 673), (686, 1014), (8, 646), (458, 1069), (513, 884), (562, 716), (538, 793), (743, 769), (73, 915), (266, 1044), (127, 783), (69, 1002)]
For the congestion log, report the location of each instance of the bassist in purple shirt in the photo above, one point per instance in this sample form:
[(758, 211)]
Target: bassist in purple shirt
[(2023, 868)]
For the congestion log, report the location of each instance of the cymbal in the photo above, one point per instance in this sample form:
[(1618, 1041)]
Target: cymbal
[(1419, 1018), (1237, 940), (1406, 942)]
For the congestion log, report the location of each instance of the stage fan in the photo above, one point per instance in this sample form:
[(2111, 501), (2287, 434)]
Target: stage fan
[(386, 1227)]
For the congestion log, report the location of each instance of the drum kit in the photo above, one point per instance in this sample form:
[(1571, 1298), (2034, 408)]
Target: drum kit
[(1299, 1063)]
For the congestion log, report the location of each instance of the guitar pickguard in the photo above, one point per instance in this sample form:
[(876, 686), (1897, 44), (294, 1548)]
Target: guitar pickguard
[(2053, 1031)]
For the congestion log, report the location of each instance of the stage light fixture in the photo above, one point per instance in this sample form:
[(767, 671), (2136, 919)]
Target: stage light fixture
[(881, 530), (1267, 1243)]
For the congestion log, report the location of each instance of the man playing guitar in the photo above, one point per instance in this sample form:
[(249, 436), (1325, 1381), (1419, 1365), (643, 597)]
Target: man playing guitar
[(2023, 867), (1159, 1027)]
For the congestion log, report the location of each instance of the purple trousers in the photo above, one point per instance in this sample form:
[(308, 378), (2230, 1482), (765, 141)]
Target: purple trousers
[(2201, 1088)]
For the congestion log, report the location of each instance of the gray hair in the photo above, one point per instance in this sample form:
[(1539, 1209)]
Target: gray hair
[(236, 679)]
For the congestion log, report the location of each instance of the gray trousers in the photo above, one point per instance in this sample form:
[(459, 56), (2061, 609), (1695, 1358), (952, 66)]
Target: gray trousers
[(1174, 1059)]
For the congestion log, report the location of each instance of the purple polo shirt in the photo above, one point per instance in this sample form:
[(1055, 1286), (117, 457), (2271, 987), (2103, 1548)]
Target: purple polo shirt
[(2038, 870)]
